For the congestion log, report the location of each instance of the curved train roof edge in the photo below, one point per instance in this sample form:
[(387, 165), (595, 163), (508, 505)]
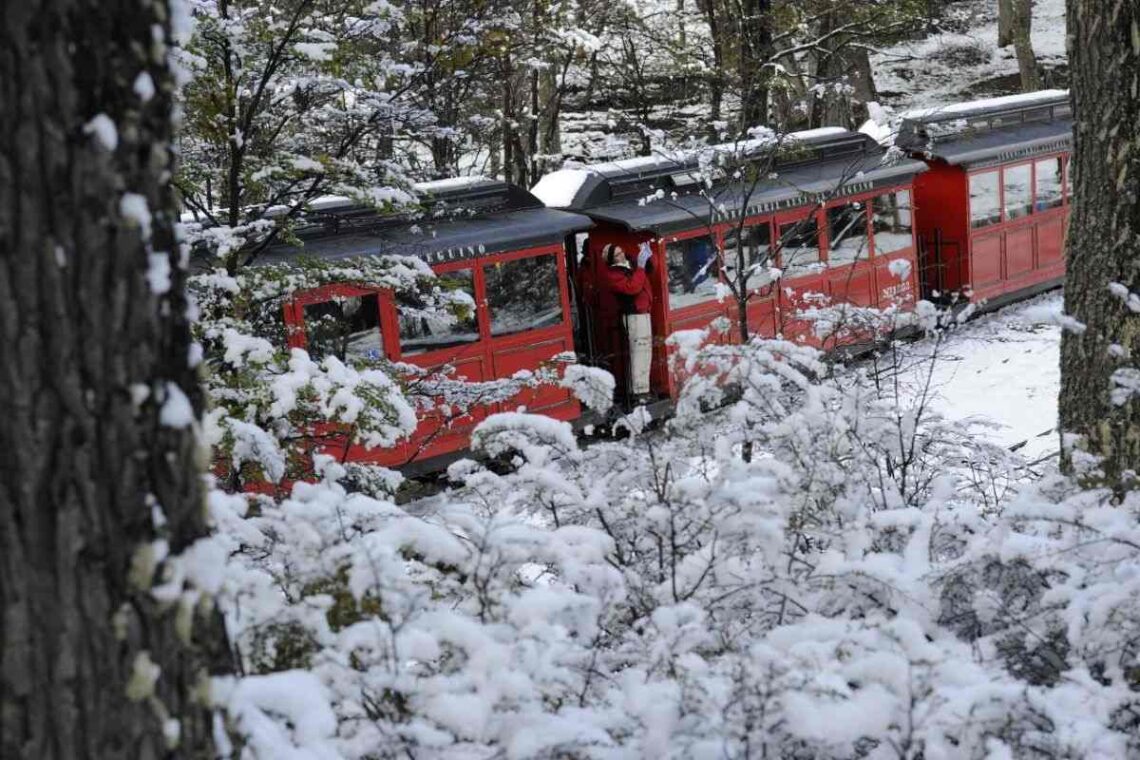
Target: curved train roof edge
[(462, 218), (989, 132), (659, 194)]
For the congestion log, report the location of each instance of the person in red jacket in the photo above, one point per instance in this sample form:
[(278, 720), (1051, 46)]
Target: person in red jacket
[(625, 304)]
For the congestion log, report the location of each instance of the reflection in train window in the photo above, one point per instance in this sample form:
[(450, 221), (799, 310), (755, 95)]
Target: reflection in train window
[(1017, 182), (523, 294), (756, 246), (985, 203), (694, 271), (891, 222), (799, 247), (347, 327), (427, 329), (1048, 184), (847, 234)]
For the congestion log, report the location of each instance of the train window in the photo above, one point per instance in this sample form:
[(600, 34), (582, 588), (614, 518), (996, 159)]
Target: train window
[(985, 204), (757, 249), (347, 327), (847, 234), (1048, 184), (1017, 182), (523, 294), (694, 271), (1069, 178), (799, 247), (892, 222), (423, 329)]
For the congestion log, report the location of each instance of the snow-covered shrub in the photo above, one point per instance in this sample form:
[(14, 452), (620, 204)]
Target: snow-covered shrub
[(823, 569)]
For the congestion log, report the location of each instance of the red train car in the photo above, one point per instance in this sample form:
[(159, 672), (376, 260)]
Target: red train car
[(992, 211), (505, 249), (831, 214)]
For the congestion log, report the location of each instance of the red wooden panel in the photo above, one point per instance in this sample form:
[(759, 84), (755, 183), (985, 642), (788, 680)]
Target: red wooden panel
[(854, 283), (1051, 242), (985, 260), (762, 316), (796, 296), (1018, 252), (507, 360)]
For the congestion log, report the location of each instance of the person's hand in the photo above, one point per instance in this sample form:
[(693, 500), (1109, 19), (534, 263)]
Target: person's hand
[(643, 255)]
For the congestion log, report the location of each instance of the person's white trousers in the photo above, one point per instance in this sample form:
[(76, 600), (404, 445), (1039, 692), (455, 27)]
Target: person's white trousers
[(640, 333)]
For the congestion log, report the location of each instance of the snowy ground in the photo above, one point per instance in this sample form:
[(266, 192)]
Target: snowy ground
[(963, 61), (1002, 367)]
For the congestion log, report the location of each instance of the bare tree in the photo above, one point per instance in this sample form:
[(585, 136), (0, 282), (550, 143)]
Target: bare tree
[(1015, 21), (1098, 398), (100, 481)]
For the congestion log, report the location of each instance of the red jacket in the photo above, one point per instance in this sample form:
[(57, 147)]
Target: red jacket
[(624, 291)]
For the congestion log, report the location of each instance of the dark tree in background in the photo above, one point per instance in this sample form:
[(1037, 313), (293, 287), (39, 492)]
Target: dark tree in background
[(1104, 235), (98, 461)]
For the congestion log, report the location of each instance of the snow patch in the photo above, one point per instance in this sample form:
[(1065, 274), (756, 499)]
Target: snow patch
[(104, 131)]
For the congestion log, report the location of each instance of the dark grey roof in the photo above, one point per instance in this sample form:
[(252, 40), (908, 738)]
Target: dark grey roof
[(990, 131), (798, 186), (442, 240)]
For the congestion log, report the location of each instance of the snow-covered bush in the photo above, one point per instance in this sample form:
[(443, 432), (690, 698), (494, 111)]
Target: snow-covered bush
[(822, 569)]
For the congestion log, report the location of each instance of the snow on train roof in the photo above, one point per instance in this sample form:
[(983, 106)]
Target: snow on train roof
[(462, 218), (661, 196), (560, 189), (975, 107), (988, 131)]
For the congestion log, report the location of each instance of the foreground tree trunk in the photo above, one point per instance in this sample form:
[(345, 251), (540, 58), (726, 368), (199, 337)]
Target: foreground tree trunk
[(98, 471), (1104, 237)]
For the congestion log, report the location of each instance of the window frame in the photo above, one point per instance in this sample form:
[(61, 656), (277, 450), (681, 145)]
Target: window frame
[(997, 172), (1064, 161), (722, 232), (715, 235), (298, 336), (457, 351), (483, 304), (865, 200), (891, 190), (795, 217), (1031, 164)]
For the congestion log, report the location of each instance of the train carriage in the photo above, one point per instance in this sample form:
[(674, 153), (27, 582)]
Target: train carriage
[(831, 214), (993, 208), (502, 247)]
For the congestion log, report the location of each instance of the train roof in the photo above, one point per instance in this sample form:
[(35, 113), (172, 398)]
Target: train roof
[(992, 131), (458, 218), (660, 194)]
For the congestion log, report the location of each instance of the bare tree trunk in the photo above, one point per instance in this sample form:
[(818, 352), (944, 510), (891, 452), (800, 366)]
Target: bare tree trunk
[(1005, 23), (1104, 239), (717, 31), (100, 461), (1023, 45), (755, 52)]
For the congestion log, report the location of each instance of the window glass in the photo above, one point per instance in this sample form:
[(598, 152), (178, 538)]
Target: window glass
[(523, 294), (347, 327), (1018, 182), (847, 234), (985, 208), (757, 249), (694, 271), (1069, 177), (426, 329), (1048, 184), (799, 247), (891, 220)]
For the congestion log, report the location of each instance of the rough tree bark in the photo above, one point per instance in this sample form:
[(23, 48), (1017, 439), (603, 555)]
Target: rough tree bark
[(91, 478), (1104, 234)]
